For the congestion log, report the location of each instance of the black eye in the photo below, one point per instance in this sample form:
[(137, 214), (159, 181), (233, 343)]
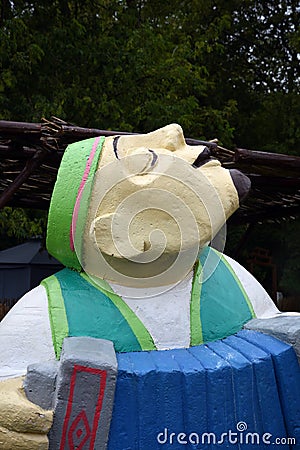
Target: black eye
[(154, 157), (115, 146), (202, 158)]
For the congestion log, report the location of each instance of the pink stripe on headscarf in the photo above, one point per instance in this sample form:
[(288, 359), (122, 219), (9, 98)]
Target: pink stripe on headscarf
[(80, 191)]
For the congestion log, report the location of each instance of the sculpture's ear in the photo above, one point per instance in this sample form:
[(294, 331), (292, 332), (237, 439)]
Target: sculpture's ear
[(100, 232), (102, 236)]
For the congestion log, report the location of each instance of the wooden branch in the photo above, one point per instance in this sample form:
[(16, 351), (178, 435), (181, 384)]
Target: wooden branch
[(59, 130), (8, 128), (243, 156), (268, 214), (29, 168), (10, 151), (275, 177), (274, 183), (85, 133)]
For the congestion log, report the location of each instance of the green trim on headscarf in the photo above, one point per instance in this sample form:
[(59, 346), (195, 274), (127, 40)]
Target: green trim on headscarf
[(66, 189)]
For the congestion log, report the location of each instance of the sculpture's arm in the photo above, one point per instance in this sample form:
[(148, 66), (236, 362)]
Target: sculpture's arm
[(23, 425), (25, 338), (25, 335)]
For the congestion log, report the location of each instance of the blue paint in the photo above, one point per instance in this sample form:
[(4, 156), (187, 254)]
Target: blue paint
[(124, 424), (219, 391), (148, 401), (194, 393), (268, 405), (224, 305), (243, 381), (248, 377), (287, 372), (169, 396)]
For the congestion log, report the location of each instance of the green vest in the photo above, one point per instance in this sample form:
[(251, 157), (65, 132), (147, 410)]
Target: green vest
[(219, 307)]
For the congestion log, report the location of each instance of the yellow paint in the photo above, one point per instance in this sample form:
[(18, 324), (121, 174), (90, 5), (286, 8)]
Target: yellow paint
[(151, 204), (23, 425)]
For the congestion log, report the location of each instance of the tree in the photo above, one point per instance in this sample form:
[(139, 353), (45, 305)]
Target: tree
[(18, 225), (109, 64)]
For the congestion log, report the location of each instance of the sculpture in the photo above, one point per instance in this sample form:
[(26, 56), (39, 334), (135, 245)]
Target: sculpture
[(129, 217)]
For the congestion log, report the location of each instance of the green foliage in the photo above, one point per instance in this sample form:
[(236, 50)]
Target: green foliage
[(220, 69), (276, 124), (17, 225)]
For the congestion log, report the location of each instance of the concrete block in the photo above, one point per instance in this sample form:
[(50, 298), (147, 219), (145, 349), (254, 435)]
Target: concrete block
[(39, 384), (284, 328), (84, 394)]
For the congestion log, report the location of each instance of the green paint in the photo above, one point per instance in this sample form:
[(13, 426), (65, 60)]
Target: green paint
[(139, 329), (57, 313), (240, 285), (64, 197), (224, 309), (196, 326), (93, 312), (100, 283), (85, 204)]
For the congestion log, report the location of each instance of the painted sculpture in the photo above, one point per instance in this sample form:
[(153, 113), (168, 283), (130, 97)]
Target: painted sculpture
[(139, 342)]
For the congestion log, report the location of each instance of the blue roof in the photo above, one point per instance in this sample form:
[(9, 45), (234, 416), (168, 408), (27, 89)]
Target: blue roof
[(31, 252)]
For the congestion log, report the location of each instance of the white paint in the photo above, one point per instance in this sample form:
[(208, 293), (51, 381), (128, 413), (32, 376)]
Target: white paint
[(262, 303), (25, 334), (165, 314)]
